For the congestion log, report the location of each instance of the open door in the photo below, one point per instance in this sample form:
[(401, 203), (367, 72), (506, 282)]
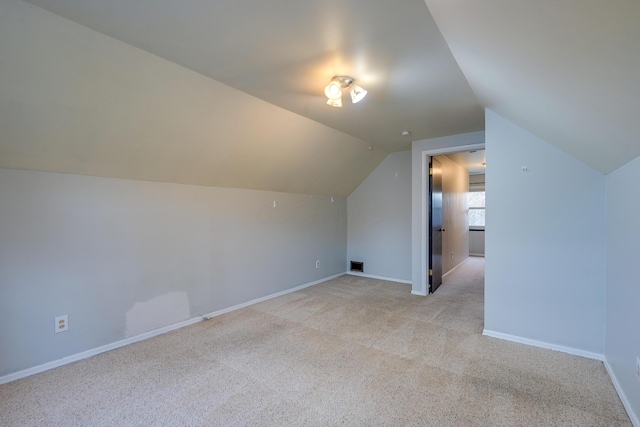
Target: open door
[(435, 224)]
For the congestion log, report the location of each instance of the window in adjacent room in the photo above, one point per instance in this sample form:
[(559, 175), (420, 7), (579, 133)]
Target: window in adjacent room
[(476, 209)]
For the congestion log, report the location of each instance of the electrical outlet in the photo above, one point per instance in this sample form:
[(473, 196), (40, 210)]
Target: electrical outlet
[(318, 264), (638, 368), (451, 255), (62, 323)]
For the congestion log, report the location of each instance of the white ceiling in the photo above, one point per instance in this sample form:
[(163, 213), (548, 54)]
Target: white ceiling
[(285, 52), (75, 101), (473, 161), (230, 93), (567, 71)]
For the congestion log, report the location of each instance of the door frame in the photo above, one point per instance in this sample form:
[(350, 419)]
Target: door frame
[(423, 287)]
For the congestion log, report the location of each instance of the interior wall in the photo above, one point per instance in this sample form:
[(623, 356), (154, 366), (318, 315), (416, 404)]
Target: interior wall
[(623, 287), (545, 269), (379, 220), (476, 243), (123, 257), (455, 220)]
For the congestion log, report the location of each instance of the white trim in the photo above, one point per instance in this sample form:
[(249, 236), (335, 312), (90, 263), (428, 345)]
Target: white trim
[(102, 349), (542, 344), (424, 224), (268, 297), (623, 397), (477, 255), (424, 191), (89, 353), (424, 294), (370, 276), (463, 261)]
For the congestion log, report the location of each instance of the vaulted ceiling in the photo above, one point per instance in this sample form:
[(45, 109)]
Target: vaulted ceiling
[(285, 52), (567, 71), (231, 93)]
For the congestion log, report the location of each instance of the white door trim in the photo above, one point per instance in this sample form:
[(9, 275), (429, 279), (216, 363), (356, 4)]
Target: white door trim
[(421, 288)]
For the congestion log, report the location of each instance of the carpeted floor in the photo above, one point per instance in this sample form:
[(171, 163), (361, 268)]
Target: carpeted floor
[(352, 351)]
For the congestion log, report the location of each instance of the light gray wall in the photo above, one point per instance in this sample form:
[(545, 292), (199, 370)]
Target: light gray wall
[(476, 242), (455, 219), (623, 283), (122, 257), (545, 252), (419, 191), (379, 220)]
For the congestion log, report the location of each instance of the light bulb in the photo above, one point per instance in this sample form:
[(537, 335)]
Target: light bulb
[(335, 102), (333, 90)]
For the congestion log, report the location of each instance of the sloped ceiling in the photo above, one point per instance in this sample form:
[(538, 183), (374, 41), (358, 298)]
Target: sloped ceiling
[(285, 52), (75, 101), (567, 71), (231, 93), (223, 93)]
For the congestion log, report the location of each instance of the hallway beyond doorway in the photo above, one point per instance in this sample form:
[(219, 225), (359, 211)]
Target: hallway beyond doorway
[(462, 296)]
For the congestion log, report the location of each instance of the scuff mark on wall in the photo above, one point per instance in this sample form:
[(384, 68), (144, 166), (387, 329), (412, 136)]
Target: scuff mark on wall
[(163, 310)]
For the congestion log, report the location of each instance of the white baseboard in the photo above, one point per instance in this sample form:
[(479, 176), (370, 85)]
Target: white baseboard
[(370, 276), (477, 255), (86, 354), (623, 397), (112, 346), (422, 294), (450, 271), (268, 297), (542, 344)]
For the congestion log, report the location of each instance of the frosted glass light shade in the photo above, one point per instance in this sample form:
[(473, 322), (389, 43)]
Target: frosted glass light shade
[(333, 90), (357, 93)]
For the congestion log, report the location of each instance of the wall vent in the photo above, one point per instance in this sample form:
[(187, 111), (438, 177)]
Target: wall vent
[(357, 266)]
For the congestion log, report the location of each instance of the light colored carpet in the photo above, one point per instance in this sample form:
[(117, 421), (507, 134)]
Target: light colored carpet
[(351, 351)]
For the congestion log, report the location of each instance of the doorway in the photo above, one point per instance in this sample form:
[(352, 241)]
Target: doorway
[(422, 150), (448, 212)]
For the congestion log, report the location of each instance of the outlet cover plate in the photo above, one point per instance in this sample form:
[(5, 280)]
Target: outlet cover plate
[(61, 323)]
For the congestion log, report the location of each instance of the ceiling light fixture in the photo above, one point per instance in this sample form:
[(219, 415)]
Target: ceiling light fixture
[(334, 90)]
